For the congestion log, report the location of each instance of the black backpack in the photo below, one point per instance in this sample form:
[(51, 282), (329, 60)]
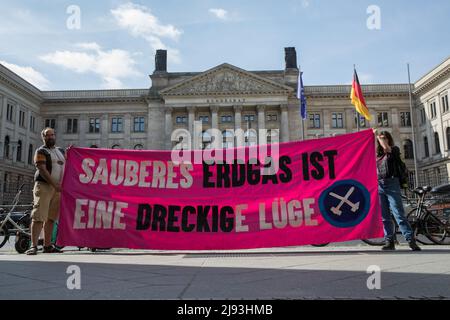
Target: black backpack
[(402, 172)]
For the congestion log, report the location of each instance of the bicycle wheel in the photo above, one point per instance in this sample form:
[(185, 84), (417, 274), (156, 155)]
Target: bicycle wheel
[(435, 229), (419, 233), (4, 235)]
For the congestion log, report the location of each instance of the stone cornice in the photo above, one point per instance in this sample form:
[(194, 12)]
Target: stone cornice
[(275, 87), (19, 83), (371, 90), (431, 78), (96, 96)]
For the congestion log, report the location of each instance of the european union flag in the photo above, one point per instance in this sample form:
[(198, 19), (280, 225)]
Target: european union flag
[(301, 96)]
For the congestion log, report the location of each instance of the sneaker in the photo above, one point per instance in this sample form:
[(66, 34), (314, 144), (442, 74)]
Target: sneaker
[(413, 245), (52, 249), (32, 251), (389, 246)]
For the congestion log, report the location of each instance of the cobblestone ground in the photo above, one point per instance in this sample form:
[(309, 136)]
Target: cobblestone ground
[(338, 271)]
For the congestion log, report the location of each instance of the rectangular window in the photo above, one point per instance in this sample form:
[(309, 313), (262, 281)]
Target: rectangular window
[(444, 103), (10, 113), (383, 119), (423, 116), (94, 125), (226, 118), (314, 120), (362, 120), (204, 119), (50, 123), (337, 120), (272, 117), (249, 117), (181, 119), (405, 119), (72, 126), (433, 110), (22, 118), (139, 124), (117, 125), (32, 123)]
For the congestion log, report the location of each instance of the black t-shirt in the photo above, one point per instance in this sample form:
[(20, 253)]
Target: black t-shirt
[(386, 167)]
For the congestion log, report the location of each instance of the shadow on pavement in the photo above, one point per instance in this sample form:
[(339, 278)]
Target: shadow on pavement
[(48, 280)]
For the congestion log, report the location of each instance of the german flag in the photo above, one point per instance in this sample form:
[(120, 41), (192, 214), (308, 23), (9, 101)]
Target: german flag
[(358, 99)]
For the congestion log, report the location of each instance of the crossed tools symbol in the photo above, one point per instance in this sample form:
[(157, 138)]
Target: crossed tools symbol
[(344, 200)]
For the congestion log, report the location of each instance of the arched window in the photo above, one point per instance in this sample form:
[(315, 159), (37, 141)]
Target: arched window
[(408, 149), (139, 147), (437, 146), (6, 151), (19, 151), (425, 145), (227, 139), (30, 154)]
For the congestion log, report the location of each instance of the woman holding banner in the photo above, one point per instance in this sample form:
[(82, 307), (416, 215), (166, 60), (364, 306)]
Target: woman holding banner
[(388, 163)]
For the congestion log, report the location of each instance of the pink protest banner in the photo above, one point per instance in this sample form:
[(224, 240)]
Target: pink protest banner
[(294, 193)]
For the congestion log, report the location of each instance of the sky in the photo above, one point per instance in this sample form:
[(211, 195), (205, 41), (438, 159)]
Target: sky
[(111, 44)]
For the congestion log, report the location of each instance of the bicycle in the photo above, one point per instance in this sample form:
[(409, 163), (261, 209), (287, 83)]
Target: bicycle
[(425, 222), (16, 223)]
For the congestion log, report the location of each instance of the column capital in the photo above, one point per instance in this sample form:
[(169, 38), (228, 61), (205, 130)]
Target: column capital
[(168, 109), (261, 108), (191, 109), (214, 108), (237, 108), (284, 107)]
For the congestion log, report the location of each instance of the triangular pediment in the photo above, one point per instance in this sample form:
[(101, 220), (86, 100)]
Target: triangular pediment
[(226, 79)]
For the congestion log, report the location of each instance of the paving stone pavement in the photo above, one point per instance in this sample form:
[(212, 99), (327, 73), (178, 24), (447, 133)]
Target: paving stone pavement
[(337, 271)]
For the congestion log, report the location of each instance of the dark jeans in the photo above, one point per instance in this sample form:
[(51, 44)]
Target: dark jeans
[(391, 202)]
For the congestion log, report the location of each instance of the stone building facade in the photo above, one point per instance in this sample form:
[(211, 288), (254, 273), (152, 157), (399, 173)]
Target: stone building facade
[(226, 98)]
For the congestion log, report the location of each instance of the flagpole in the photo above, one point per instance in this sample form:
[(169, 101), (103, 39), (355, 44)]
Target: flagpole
[(412, 127), (357, 113), (299, 96)]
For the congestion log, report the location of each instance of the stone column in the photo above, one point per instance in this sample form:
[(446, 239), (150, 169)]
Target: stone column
[(262, 137), (104, 131), (237, 125), (127, 131), (191, 119), (83, 127), (214, 117), (284, 124), (168, 126)]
